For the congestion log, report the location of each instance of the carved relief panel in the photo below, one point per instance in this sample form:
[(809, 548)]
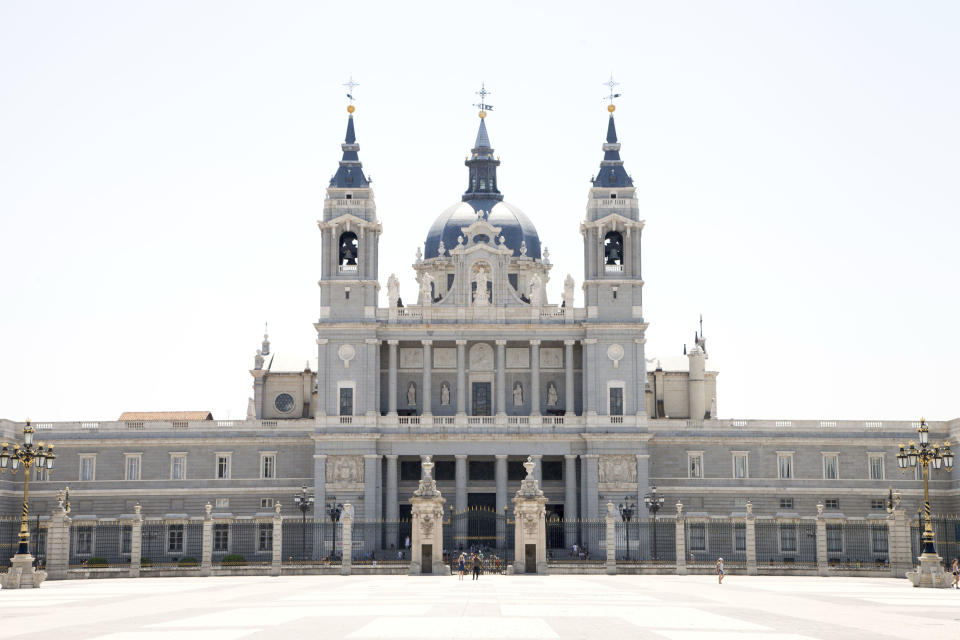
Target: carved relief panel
[(618, 469)]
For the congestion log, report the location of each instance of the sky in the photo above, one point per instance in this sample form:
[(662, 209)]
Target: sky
[(163, 166)]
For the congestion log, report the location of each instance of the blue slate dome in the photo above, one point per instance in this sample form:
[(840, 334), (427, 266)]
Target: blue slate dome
[(482, 194)]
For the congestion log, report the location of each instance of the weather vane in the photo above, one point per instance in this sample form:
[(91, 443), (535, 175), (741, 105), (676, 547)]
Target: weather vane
[(483, 106), (612, 86), (350, 84)]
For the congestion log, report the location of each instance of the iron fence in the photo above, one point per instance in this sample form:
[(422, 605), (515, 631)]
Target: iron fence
[(10, 540), (375, 542), (855, 545), (486, 532), (243, 542), (576, 540), (946, 537), (171, 544), (304, 541), (709, 540), (96, 544), (786, 544)]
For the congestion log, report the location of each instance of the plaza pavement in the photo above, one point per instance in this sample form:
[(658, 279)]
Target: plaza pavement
[(514, 607)]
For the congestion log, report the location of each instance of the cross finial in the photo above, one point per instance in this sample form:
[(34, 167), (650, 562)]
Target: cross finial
[(612, 84), (483, 106), (350, 85)]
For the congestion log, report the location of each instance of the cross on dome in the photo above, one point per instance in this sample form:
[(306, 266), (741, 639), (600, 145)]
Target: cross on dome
[(612, 84), (483, 106)]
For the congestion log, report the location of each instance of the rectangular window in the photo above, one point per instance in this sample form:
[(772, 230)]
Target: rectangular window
[(223, 466), (698, 536), (785, 466), (178, 466), (786, 503), (831, 466), (88, 467), (221, 537), (834, 538), (346, 401), (265, 539), (223, 503), (175, 538), (739, 501), (616, 401), (876, 466), (878, 505), (788, 537), (694, 464), (740, 468), (132, 463), (268, 465), (84, 540), (832, 503), (410, 470), (266, 503)]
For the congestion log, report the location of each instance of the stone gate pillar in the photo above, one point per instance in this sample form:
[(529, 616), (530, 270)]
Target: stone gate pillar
[(823, 562), (750, 539), (530, 534), (611, 523), (346, 540), (426, 525), (898, 540), (206, 544), (58, 541), (136, 541), (680, 540)]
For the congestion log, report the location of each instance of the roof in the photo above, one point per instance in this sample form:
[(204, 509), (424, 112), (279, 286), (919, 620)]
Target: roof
[(165, 415), (515, 226)]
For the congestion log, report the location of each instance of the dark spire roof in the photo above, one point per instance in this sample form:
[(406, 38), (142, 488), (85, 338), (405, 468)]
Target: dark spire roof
[(482, 184), (350, 173), (612, 174)]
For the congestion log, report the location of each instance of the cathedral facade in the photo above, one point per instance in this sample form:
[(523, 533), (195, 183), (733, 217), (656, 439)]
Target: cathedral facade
[(479, 369)]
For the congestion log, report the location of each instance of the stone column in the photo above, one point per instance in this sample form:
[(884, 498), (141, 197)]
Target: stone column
[(136, 541), (529, 512), (534, 377), (346, 539), (460, 502), (643, 476), (371, 505), (591, 471), (393, 504), (461, 377), (426, 526), (501, 377), (500, 476), (426, 398), (206, 546), (823, 562), (58, 543), (322, 383), (392, 378), (681, 541), (320, 482), (570, 513), (276, 559), (569, 398), (750, 537), (611, 528), (898, 541)]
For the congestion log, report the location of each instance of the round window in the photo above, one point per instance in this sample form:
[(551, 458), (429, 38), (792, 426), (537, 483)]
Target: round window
[(284, 403)]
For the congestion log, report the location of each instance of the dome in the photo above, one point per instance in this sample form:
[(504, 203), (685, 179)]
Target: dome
[(515, 226)]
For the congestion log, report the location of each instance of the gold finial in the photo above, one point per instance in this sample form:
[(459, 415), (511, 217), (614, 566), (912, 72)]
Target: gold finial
[(351, 108), (611, 108), (482, 114)]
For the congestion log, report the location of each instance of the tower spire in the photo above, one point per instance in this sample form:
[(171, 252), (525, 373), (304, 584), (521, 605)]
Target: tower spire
[(612, 174), (350, 173), (483, 165)]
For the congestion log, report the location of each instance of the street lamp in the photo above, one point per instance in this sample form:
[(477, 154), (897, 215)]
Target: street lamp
[(334, 509), (626, 509), (27, 455), (304, 502), (926, 455), (653, 502)]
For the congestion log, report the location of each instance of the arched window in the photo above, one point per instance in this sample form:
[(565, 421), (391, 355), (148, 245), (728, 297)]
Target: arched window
[(349, 249), (613, 250)]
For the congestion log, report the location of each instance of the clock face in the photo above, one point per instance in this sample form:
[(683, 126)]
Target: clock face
[(284, 403)]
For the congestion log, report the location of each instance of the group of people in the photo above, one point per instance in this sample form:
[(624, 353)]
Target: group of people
[(474, 563), (579, 551)]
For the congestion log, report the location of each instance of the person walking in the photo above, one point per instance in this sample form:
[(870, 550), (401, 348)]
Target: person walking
[(720, 572), (477, 563), (461, 565), (955, 569)]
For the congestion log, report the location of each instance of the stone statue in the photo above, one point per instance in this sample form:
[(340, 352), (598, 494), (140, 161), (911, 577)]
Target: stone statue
[(393, 290), (258, 360), (442, 249), (546, 256), (552, 395), (426, 288), (535, 289), (481, 296), (568, 292), (412, 394), (419, 255), (523, 248), (517, 394), (445, 394)]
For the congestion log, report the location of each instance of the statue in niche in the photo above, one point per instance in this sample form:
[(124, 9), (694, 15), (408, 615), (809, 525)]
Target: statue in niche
[(412, 394), (481, 296), (568, 292), (445, 394), (552, 398), (517, 394), (536, 290), (393, 290)]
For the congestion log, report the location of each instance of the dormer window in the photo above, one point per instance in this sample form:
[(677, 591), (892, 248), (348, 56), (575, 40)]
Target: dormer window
[(350, 196), (613, 196)]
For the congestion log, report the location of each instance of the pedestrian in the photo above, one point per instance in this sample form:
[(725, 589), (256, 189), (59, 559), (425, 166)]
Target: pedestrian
[(692, 558), (477, 563), (956, 573), (461, 568), (406, 543), (720, 572), (576, 551)]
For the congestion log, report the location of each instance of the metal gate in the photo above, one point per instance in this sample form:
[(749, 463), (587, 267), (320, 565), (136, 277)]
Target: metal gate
[(480, 530)]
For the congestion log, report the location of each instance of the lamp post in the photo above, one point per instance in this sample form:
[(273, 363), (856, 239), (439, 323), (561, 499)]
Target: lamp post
[(653, 502), (626, 510), (304, 502), (334, 509), (929, 457), (28, 455)]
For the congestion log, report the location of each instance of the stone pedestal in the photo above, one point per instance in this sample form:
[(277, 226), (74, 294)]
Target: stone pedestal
[(530, 516), (21, 574), (930, 573), (426, 526)]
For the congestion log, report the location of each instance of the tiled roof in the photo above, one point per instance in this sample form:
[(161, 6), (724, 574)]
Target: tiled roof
[(165, 415)]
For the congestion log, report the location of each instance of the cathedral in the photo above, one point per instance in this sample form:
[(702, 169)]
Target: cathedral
[(478, 369)]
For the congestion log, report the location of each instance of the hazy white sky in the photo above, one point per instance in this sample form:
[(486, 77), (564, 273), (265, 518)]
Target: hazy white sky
[(163, 165)]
